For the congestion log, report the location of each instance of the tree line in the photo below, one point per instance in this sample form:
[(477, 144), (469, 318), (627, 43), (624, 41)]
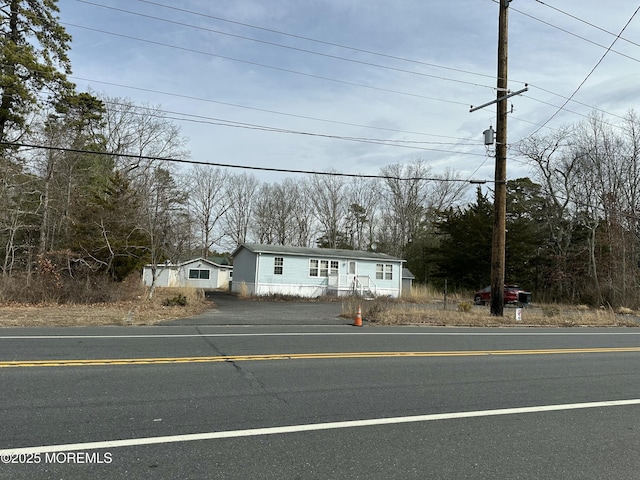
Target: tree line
[(92, 199)]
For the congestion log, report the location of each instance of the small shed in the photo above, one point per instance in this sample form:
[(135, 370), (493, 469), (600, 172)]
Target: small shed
[(407, 281), (199, 273), (312, 272)]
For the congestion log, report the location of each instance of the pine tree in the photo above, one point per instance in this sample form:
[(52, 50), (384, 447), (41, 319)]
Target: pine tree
[(33, 57)]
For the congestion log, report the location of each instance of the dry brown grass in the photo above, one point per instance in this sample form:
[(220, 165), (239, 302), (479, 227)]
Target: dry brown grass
[(135, 311), (428, 294), (244, 290), (395, 312)]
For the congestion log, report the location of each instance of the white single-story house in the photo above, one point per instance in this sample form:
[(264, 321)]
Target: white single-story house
[(311, 272), (199, 273)]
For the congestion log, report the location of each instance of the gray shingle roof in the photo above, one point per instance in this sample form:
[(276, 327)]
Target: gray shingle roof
[(315, 252)]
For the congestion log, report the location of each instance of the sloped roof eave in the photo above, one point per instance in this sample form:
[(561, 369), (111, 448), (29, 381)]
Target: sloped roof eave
[(316, 252), (187, 262)]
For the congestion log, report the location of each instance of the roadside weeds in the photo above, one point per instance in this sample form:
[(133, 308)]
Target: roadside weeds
[(137, 311), (394, 312), (172, 303)]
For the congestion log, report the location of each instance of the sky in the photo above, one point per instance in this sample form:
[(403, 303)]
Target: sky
[(354, 85)]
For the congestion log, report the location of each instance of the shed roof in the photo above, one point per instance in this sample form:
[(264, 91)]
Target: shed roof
[(315, 252), (199, 259), (406, 273)]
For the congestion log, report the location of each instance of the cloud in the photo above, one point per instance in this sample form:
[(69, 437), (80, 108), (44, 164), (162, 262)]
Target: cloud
[(375, 97)]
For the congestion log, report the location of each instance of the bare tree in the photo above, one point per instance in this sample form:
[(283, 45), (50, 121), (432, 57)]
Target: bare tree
[(139, 134), (602, 174), (556, 166), (20, 200), (447, 191), (161, 219), (208, 199), (630, 214), (262, 226), (329, 198), (275, 219), (241, 190), (405, 195), (304, 225), (360, 223)]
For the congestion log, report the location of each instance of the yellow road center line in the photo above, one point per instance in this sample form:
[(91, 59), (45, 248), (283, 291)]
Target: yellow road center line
[(301, 356)]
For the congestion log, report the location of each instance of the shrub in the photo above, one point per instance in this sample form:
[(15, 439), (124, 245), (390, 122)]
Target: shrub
[(45, 288), (178, 301), (374, 310), (550, 311), (244, 289), (624, 311), (464, 307)]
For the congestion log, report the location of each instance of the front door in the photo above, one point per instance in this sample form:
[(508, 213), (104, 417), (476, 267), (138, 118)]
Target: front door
[(352, 268), (352, 276)]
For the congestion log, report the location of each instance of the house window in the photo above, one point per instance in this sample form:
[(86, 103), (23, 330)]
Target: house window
[(388, 272), (384, 271), (322, 268), (333, 267), (195, 273), (278, 263)]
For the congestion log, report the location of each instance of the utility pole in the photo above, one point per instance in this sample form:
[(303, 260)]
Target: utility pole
[(500, 195)]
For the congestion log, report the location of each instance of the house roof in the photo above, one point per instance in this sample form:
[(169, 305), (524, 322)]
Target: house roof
[(315, 252)]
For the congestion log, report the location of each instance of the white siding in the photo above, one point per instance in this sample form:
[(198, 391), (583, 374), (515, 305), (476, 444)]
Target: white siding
[(178, 275), (264, 275)]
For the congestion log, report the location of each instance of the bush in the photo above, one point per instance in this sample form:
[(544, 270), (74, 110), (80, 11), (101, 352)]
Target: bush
[(624, 311), (46, 288), (464, 307), (178, 301)]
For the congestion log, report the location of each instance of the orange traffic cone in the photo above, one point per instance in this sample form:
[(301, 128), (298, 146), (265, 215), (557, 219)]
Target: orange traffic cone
[(358, 321)]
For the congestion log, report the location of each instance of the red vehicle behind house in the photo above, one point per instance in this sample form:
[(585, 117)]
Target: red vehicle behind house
[(511, 292)]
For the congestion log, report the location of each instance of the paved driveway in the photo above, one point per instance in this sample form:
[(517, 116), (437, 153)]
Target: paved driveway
[(231, 310)]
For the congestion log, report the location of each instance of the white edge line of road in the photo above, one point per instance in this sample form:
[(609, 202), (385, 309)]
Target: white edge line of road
[(308, 428), (312, 334)]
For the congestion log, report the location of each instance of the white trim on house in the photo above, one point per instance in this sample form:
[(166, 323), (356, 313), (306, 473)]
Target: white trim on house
[(312, 272), (199, 273)]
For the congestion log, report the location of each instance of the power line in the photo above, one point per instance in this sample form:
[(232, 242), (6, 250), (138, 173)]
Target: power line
[(585, 22), (314, 40), (572, 100), (591, 72), (228, 165), (274, 112), (295, 72), (375, 141), (280, 32), (326, 55), (563, 107), (200, 52), (230, 123), (262, 109), (573, 34), (411, 144), (289, 47)]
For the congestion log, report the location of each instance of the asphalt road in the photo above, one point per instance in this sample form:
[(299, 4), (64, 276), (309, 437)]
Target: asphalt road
[(318, 399)]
